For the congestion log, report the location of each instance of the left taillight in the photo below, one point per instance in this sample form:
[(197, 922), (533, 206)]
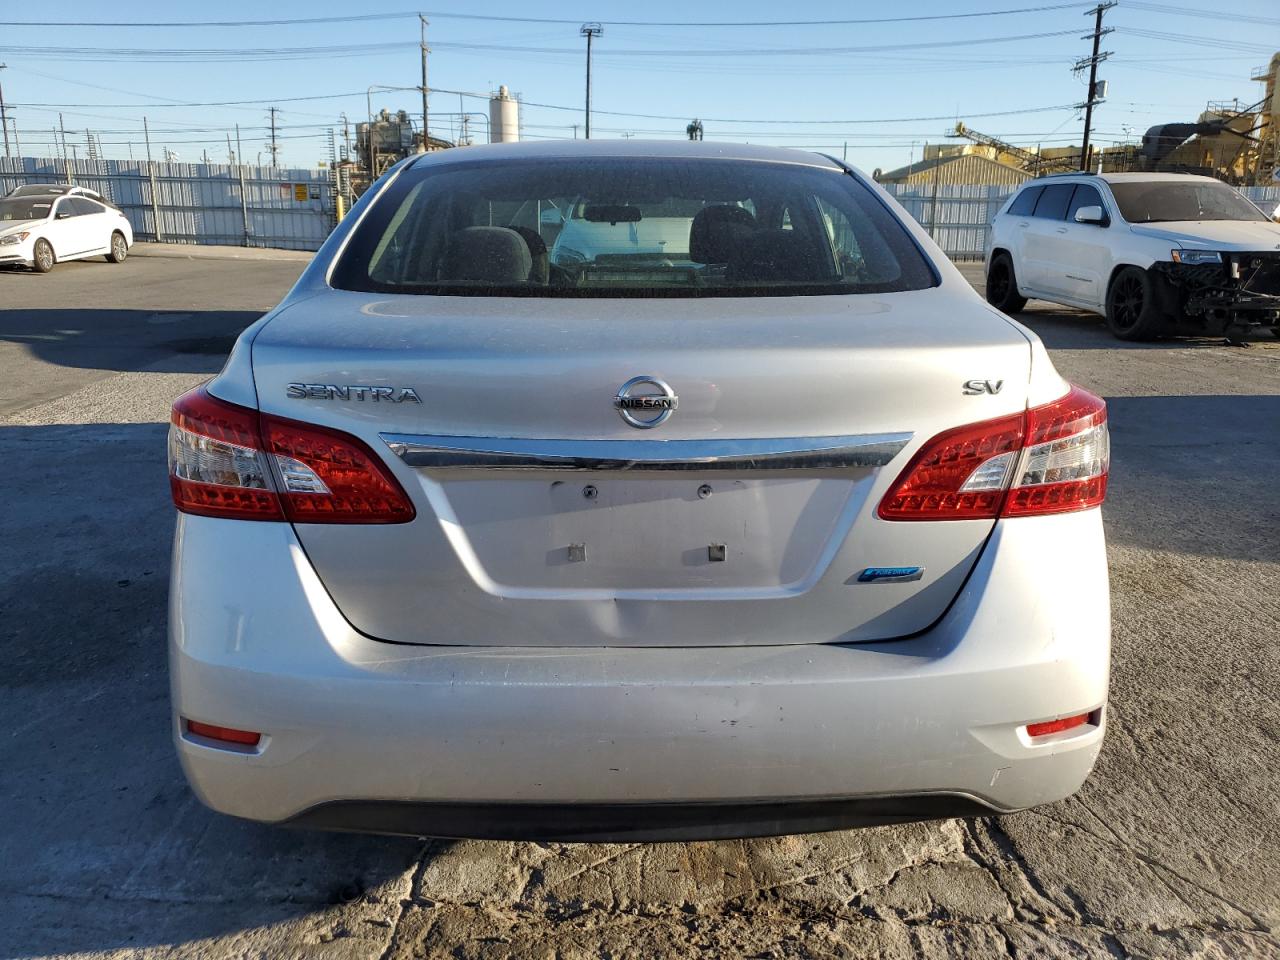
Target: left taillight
[(216, 464), (1051, 459), (229, 461)]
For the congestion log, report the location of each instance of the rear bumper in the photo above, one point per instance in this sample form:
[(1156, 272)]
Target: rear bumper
[(593, 743)]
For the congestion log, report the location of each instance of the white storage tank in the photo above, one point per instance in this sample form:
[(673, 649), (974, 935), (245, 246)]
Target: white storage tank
[(504, 117)]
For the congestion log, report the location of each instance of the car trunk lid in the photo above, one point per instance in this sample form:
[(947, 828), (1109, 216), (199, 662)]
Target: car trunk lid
[(545, 518)]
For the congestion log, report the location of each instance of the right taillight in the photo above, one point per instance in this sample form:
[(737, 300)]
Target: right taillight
[(229, 461), (1052, 459)]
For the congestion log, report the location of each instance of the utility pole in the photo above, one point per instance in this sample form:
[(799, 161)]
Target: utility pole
[(4, 117), (231, 157), (146, 133), (589, 30), (1092, 62), (239, 152), (275, 150), (422, 24)]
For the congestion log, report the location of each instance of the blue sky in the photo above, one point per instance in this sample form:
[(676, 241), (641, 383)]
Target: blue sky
[(1167, 63)]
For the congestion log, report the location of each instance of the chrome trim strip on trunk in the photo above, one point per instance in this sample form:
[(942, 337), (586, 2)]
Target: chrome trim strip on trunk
[(497, 453)]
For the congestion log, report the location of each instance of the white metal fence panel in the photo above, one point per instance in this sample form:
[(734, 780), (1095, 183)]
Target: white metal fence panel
[(196, 202)]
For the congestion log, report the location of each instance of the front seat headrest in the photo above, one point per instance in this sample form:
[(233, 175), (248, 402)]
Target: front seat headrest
[(719, 230), (491, 255)]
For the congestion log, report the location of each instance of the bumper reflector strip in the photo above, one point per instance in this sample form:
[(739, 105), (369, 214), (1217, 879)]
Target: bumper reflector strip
[(1056, 726), (226, 734)]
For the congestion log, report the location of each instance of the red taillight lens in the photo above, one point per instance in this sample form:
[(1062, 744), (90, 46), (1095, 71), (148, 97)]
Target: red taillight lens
[(1052, 459), (225, 734), (1057, 726), (330, 477), (958, 475), (227, 461)]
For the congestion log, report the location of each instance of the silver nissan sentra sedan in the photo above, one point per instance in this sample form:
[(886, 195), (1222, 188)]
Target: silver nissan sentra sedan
[(602, 490)]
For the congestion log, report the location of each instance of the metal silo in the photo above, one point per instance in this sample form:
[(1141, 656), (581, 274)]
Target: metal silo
[(504, 117)]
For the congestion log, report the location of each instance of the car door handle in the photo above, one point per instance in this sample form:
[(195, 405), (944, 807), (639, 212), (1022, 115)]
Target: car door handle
[(1062, 229), (1023, 223)]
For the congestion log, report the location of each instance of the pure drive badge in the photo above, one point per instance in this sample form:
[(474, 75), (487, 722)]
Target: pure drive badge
[(353, 391)]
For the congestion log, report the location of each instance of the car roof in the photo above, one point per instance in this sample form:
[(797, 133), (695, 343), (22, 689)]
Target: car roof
[(52, 190), (1155, 177), (1085, 176), (625, 149)]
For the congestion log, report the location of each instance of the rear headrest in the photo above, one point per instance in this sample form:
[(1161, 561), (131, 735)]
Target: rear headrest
[(717, 231), (769, 255), (496, 255)]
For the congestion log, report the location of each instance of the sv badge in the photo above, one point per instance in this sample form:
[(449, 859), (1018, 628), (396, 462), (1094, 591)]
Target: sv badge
[(973, 388)]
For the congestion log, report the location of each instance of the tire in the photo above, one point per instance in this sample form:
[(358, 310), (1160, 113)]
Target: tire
[(119, 249), (1132, 313), (42, 259), (1002, 285)]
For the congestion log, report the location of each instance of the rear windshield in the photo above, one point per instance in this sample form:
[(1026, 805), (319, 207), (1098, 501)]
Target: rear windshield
[(630, 227), (1154, 201)]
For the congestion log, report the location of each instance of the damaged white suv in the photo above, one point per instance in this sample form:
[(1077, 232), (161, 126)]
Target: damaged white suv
[(1155, 253)]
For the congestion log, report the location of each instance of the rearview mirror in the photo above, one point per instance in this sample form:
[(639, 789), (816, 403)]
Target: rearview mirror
[(1092, 214), (611, 213)]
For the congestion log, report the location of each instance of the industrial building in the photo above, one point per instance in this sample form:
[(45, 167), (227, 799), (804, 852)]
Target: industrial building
[(1237, 143), (942, 166)]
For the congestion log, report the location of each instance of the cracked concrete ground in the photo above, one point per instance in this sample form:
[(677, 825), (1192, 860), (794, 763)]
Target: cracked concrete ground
[(1172, 848)]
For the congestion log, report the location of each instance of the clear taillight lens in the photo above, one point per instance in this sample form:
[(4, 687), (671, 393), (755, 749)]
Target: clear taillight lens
[(215, 466), (1053, 459), (228, 461)]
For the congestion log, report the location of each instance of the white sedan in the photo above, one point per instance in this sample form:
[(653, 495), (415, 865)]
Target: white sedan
[(40, 229)]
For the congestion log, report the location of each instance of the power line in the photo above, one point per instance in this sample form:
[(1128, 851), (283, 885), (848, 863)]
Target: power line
[(404, 15), (553, 106), (1197, 40), (235, 54), (1208, 14)]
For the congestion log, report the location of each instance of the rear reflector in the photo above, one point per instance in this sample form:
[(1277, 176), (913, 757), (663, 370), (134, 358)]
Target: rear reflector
[(1057, 726), (229, 461), (225, 734), (1052, 459)]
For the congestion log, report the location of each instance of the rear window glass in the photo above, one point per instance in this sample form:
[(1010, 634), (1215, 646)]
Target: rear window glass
[(629, 227), (1025, 202)]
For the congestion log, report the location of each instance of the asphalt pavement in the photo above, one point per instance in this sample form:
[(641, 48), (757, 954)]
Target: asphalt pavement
[(1171, 849)]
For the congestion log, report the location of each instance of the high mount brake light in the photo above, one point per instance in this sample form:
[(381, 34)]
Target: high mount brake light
[(230, 461), (1052, 459)]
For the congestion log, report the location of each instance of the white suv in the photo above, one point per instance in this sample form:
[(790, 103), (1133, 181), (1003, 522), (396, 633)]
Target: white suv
[(1151, 252)]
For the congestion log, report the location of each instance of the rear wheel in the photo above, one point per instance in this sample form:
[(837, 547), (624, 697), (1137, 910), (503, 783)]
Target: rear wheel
[(119, 249), (1132, 313), (1002, 285), (42, 259)]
